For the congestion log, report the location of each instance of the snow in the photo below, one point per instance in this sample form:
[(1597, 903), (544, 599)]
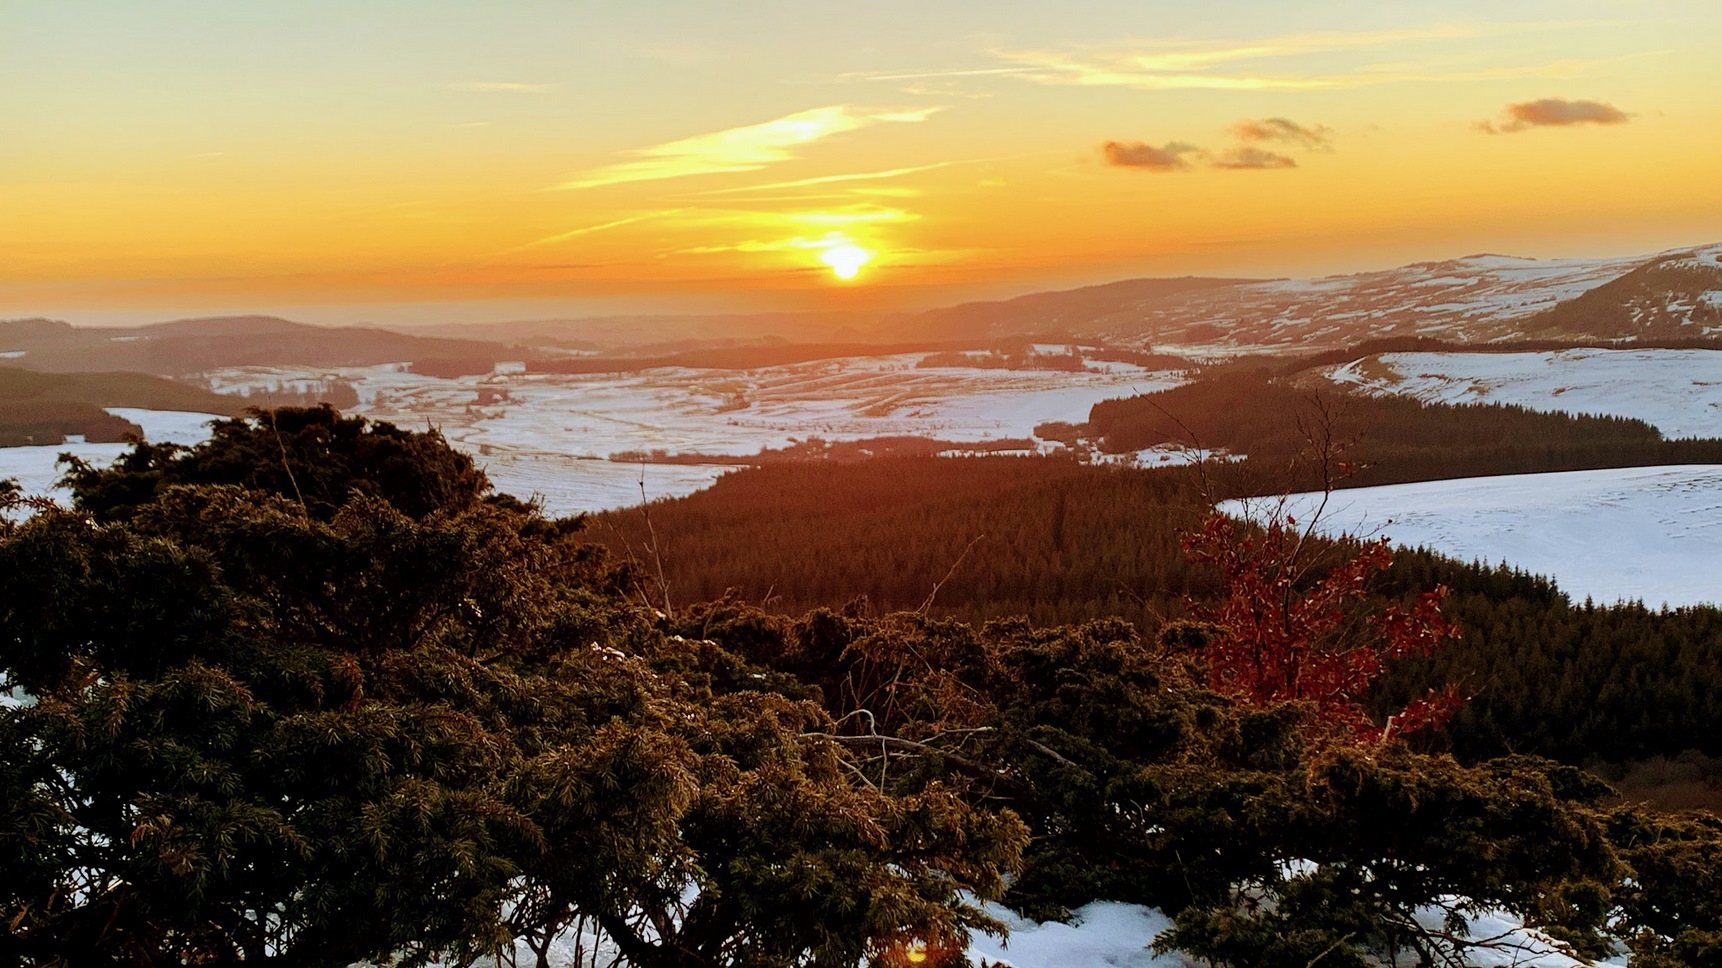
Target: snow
[(35, 470), (553, 433), (1643, 533), (1677, 391), (1500, 286), (1103, 934), (1108, 934)]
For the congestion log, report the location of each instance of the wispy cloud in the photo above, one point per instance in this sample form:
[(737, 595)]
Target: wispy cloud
[(825, 180), (852, 215), (1284, 131), (942, 89), (795, 243), (747, 148), (502, 87), (1554, 112), (586, 230), (1281, 63)]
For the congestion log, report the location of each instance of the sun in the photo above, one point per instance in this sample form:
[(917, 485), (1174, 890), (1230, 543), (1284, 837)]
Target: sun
[(845, 260)]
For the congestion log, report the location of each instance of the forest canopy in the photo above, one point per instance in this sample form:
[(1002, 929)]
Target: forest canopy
[(309, 693)]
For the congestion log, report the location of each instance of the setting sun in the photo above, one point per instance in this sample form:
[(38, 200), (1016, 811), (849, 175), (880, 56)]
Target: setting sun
[(845, 260)]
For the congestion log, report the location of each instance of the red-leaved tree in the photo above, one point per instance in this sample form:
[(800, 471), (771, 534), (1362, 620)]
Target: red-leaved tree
[(1297, 622)]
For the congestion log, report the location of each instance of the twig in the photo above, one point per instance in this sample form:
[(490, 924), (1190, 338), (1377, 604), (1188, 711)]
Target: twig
[(285, 465), (941, 582), (652, 546), (886, 745)]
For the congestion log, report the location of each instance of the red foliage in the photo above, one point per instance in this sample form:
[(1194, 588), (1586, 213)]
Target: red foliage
[(1298, 623)]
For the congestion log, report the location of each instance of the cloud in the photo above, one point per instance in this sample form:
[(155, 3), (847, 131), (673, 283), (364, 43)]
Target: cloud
[(1284, 131), (1554, 112), (943, 90), (747, 148), (795, 243), (1140, 154), (1179, 156), (1276, 63), (826, 180), (1252, 158), (585, 230), (1213, 66), (502, 87)]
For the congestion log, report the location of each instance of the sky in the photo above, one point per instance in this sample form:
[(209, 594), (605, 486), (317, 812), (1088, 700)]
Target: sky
[(412, 161)]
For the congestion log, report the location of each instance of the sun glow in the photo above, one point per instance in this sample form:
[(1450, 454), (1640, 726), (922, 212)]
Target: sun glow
[(845, 260)]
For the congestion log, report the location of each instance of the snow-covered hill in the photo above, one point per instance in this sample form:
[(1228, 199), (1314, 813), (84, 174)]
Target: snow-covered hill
[(1475, 299), (1640, 533), (1677, 391)]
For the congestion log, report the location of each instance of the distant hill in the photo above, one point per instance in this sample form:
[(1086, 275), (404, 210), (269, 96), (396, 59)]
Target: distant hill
[(44, 408), (1673, 296), (1066, 312), (1476, 299), (189, 346)]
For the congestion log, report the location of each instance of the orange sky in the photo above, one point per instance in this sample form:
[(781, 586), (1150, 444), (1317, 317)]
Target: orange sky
[(439, 161)]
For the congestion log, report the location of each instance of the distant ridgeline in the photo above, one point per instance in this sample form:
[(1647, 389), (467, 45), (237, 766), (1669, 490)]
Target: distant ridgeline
[(45, 408), (191, 346)]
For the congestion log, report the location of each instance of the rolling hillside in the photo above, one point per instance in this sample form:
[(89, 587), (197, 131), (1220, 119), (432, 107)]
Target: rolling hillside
[(45, 408), (195, 345)]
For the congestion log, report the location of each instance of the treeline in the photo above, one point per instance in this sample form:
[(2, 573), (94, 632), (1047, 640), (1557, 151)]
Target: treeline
[(44, 408), (305, 393), (1060, 542), (39, 423), (1574, 681), (1049, 538), (1381, 440), (837, 451), (996, 360)]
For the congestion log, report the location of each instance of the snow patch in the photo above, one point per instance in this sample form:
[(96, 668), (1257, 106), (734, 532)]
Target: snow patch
[(1677, 391), (1103, 934), (35, 470), (1645, 534)]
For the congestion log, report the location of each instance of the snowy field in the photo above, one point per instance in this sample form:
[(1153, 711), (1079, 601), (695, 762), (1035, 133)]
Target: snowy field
[(34, 466), (1677, 391), (1644, 533), (552, 434)]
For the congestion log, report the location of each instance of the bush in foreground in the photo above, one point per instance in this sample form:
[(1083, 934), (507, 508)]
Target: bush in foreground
[(274, 724)]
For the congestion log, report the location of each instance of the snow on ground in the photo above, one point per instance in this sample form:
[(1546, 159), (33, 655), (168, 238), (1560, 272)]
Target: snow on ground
[(550, 436), (1640, 533), (1110, 934), (34, 467), (1677, 391), (570, 486), (1103, 934)]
